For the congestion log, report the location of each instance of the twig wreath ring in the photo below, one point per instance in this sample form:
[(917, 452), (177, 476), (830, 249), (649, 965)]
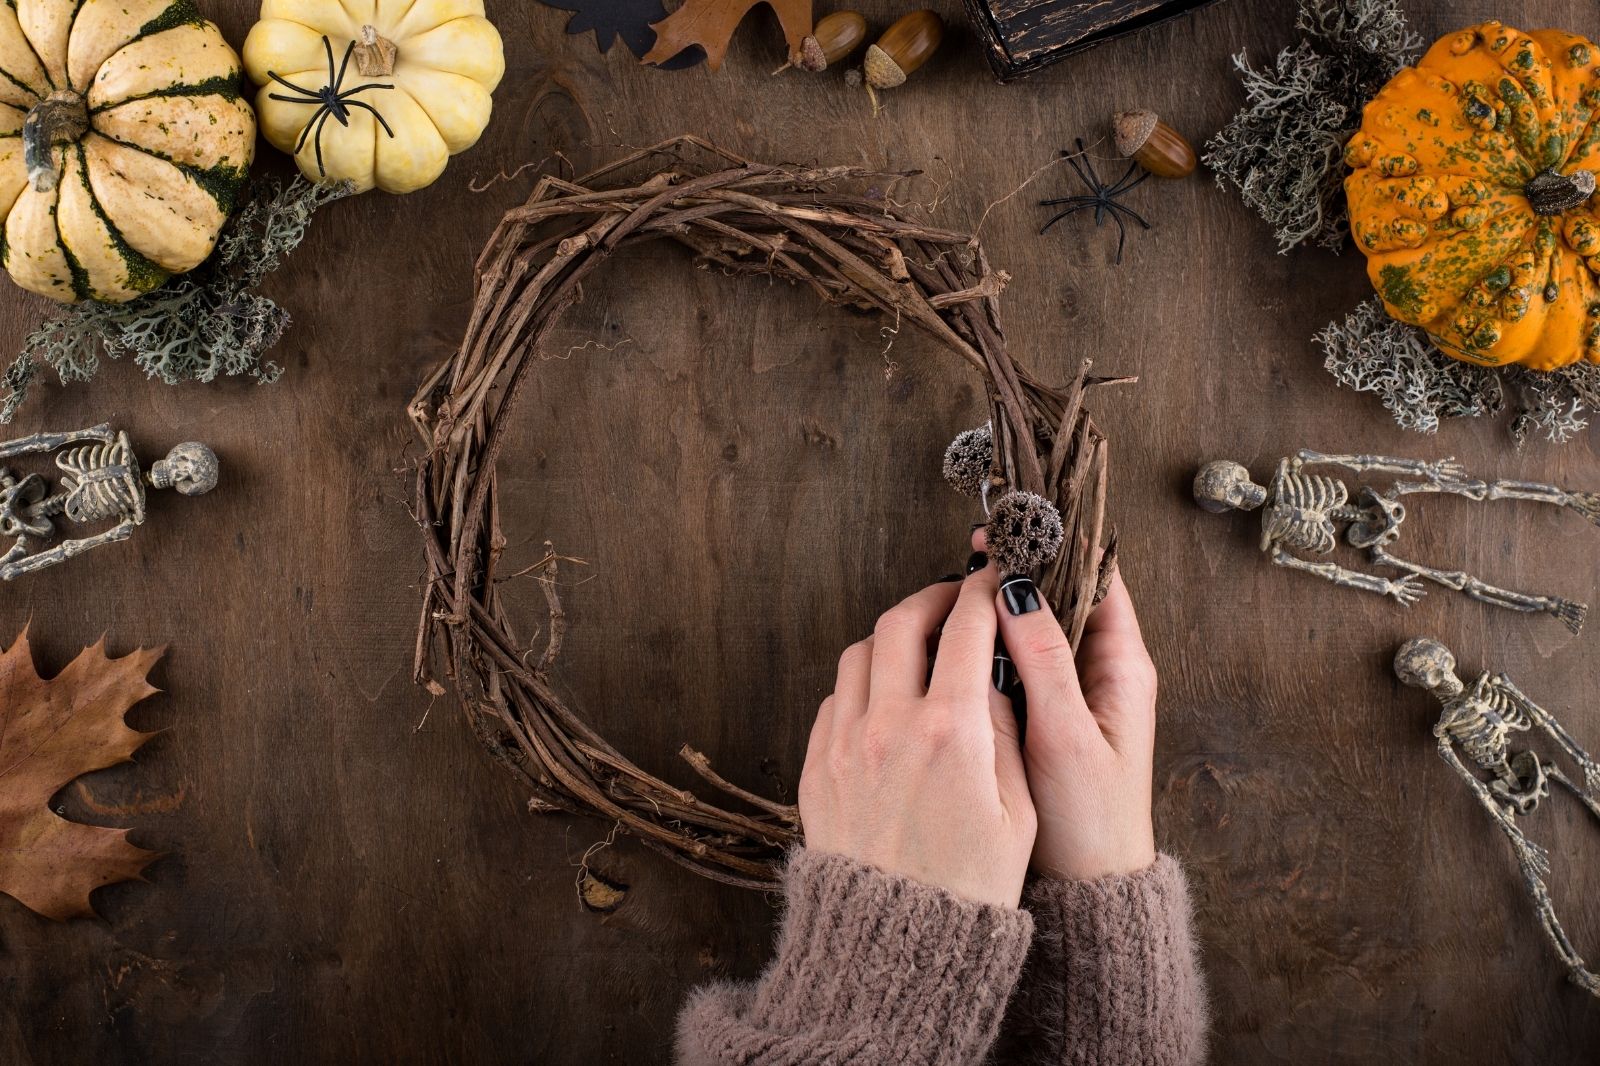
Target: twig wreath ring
[(805, 225)]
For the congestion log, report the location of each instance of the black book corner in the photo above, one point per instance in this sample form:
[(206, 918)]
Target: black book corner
[(1020, 36)]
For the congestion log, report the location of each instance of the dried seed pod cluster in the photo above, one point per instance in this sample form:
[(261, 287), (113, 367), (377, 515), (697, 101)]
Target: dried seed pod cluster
[(1024, 532), (967, 460)]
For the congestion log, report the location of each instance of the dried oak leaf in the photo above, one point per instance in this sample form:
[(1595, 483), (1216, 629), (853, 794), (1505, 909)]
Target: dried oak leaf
[(710, 24), (51, 732)]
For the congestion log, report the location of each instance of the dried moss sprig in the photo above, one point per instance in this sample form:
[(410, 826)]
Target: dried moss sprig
[(1283, 151), (821, 228), (1420, 385), (199, 326)]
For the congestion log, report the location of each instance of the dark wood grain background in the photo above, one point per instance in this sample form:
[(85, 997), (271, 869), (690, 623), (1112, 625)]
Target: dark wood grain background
[(753, 479)]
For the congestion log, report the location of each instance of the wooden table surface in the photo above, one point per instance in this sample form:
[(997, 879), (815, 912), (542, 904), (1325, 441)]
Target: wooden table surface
[(751, 480)]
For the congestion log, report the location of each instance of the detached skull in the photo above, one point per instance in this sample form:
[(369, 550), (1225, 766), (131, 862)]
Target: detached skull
[(190, 467), (1224, 485)]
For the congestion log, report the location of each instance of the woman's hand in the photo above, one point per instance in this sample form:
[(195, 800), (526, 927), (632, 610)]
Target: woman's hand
[(1091, 733), (920, 776)]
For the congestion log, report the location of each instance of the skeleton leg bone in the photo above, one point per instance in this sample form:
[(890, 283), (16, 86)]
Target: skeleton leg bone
[(63, 551), (1534, 864), (1569, 613), (1405, 590), (1586, 504)]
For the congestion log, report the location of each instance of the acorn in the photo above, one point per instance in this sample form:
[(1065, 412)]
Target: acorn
[(834, 38), (903, 48), (1154, 145)]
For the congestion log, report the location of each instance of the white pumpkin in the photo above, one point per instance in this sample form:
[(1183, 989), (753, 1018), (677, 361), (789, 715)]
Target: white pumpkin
[(410, 85)]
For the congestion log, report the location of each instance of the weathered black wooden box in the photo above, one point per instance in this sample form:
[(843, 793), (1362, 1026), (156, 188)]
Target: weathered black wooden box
[(1020, 36)]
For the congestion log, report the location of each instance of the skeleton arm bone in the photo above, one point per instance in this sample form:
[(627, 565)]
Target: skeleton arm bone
[(65, 550), (1547, 722), (1383, 464), (49, 442), (1406, 589)]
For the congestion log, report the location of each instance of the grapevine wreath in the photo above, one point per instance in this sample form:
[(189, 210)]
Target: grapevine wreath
[(810, 225)]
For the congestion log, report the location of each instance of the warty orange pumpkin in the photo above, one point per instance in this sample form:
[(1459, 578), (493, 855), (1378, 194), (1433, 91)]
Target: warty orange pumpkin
[(1471, 196)]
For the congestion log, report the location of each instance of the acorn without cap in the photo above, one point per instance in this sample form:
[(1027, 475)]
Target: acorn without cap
[(903, 48), (1154, 145), (834, 38)]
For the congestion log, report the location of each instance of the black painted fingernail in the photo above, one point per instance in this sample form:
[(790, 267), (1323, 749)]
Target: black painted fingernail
[(1021, 596), (948, 577), (977, 561), (977, 526), (1019, 707), (1004, 674)]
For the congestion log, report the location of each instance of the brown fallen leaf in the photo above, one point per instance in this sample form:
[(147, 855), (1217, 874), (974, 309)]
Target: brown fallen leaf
[(710, 24), (51, 732)]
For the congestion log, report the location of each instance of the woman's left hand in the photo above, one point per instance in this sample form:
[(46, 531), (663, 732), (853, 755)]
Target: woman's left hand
[(918, 776)]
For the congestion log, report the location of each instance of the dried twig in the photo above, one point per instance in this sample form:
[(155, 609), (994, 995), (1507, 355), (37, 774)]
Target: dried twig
[(806, 225)]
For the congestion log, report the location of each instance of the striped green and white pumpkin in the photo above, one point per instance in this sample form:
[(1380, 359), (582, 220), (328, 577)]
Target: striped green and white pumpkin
[(124, 141)]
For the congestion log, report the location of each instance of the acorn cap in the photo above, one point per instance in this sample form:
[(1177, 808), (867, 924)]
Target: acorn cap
[(882, 71), (1131, 129), (812, 57)]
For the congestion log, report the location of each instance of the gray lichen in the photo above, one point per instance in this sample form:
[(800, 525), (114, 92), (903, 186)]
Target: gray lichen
[(1420, 385), (1283, 150), (199, 326)]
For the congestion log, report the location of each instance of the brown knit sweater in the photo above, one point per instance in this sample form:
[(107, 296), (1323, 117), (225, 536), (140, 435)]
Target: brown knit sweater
[(877, 970)]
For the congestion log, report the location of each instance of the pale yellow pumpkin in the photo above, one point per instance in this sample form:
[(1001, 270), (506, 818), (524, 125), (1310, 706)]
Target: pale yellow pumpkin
[(415, 87), (123, 143)]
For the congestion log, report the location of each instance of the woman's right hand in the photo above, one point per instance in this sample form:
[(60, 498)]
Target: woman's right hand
[(1091, 733), (920, 776)]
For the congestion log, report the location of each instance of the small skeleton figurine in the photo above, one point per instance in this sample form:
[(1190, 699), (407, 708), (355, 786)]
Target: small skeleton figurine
[(1481, 721), (99, 481), (1304, 512)]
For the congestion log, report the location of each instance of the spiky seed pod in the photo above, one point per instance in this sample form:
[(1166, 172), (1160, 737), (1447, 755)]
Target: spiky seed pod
[(1024, 532), (967, 460)]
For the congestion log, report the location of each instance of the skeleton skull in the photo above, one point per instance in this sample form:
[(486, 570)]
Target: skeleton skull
[(190, 467), (1224, 485), (1423, 662)]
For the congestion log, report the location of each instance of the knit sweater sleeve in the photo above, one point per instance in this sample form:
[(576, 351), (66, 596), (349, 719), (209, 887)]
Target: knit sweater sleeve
[(1113, 977), (870, 969)]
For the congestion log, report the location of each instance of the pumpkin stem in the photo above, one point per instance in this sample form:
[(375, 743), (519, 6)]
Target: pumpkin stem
[(375, 55), (1550, 193), (60, 118)]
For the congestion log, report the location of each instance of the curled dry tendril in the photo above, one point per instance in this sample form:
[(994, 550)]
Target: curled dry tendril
[(329, 101)]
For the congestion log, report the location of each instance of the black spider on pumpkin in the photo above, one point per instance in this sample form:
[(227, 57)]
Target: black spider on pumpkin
[(329, 101), (1101, 197)]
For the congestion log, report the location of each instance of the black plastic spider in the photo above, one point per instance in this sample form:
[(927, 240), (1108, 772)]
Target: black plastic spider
[(329, 101), (1101, 197)]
